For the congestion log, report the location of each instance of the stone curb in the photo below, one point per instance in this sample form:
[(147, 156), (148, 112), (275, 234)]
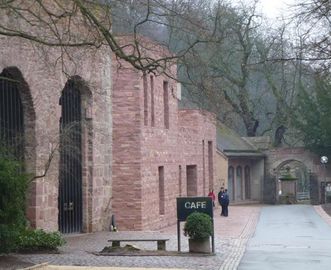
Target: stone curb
[(323, 214), (45, 266)]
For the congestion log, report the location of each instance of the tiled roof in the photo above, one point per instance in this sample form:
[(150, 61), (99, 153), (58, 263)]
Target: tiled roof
[(231, 144)]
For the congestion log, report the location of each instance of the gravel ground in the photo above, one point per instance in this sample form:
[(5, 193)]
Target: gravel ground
[(231, 234), (11, 262)]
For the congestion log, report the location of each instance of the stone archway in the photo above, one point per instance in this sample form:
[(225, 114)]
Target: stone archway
[(298, 170), (75, 179), (307, 163), (11, 77), (18, 115)]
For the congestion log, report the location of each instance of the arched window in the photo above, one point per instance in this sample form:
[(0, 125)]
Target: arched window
[(231, 182), (239, 184), (247, 182)]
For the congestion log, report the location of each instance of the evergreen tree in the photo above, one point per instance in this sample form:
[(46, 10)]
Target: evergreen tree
[(312, 117)]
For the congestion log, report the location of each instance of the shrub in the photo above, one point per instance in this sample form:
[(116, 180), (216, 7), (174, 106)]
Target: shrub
[(198, 226), (13, 186), (13, 232), (39, 240)]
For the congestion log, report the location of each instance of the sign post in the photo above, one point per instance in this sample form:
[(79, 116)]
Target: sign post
[(189, 205)]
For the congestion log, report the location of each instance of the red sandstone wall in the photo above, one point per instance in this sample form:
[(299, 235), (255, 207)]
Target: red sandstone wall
[(195, 127), (140, 148), (46, 81), (160, 148), (126, 169)]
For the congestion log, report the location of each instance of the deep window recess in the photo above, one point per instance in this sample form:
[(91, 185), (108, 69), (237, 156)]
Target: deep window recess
[(210, 165), (191, 174), (180, 180), (161, 191), (145, 100), (152, 102), (166, 104)]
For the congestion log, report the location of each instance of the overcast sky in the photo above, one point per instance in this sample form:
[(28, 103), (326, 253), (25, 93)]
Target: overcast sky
[(275, 8)]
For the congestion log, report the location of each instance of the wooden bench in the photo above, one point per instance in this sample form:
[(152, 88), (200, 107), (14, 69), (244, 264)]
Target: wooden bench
[(118, 237)]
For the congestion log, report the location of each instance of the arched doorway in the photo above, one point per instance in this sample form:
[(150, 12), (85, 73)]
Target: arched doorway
[(231, 183), (17, 117), (17, 127), (11, 116), (298, 170), (239, 190), (247, 182), (70, 182)]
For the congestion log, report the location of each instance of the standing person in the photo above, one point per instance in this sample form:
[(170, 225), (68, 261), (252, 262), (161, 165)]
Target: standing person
[(211, 194), (219, 196), (225, 202)]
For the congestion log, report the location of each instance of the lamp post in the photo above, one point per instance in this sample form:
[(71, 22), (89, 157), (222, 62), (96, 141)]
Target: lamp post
[(324, 160)]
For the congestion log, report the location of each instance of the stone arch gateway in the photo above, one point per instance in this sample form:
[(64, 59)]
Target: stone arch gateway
[(303, 165)]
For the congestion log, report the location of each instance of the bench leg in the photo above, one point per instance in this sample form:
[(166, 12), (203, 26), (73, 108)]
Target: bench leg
[(116, 244), (161, 245)]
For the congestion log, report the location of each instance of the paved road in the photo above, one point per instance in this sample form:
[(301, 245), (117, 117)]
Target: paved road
[(289, 237)]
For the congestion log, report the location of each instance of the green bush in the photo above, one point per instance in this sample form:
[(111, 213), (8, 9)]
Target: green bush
[(8, 238), (13, 186), (14, 236), (39, 240), (198, 226)]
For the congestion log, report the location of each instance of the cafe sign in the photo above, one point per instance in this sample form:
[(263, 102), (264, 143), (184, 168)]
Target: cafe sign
[(188, 205)]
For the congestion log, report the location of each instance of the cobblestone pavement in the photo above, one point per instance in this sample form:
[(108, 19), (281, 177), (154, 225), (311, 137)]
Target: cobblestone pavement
[(231, 236)]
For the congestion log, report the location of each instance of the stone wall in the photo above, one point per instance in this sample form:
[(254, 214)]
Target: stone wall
[(221, 168), (151, 151), (45, 80), (256, 178), (197, 130), (126, 170)]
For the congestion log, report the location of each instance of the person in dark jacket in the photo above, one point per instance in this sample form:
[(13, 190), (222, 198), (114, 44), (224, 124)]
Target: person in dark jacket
[(225, 202), (219, 197)]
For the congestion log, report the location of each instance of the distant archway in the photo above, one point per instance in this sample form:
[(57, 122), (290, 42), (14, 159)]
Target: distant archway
[(298, 170)]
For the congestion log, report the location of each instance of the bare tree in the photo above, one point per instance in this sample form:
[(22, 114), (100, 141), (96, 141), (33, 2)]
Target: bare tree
[(83, 23)]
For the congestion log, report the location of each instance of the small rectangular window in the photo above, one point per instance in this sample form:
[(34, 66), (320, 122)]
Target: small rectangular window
[(145, 100), (191, 179), (203, 168), (180, 180), (166, 104), (210, 164), (152, 101), (161, 191)]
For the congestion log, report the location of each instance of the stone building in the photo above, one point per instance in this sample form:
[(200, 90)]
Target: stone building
[(240, 166), (64, 126), (159, 151)]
